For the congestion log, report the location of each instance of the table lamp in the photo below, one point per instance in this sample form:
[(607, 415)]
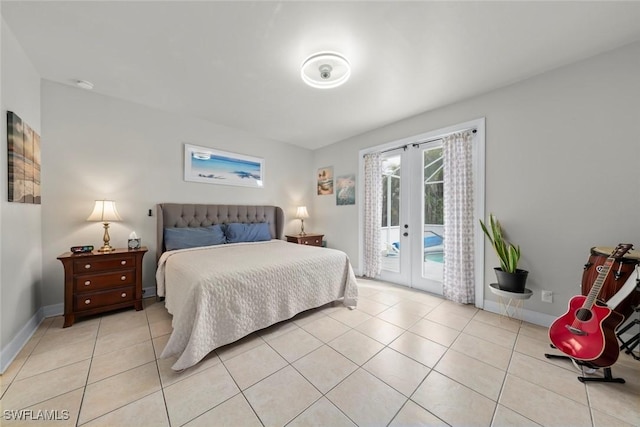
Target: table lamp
[(105, 211), (301, 214)]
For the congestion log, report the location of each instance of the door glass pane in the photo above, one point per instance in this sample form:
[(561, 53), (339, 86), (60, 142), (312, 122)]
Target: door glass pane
[(390, 227), (433, 214)]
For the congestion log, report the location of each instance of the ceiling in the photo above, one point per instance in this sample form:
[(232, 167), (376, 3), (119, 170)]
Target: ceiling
[(237, 63)]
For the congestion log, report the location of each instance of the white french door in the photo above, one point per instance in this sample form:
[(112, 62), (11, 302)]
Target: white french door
[(396, 261), (426, 217), (412, 218), (412, 229)]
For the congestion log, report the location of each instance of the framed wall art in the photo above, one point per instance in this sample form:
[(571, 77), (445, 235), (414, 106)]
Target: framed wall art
[(23, 158), (325, 181), (203, 164), (346, 189)]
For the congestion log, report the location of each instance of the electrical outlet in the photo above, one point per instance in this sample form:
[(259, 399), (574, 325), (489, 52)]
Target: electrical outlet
[(547, 296)]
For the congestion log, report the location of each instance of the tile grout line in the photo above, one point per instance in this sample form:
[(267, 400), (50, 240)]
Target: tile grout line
[(156, 357), (241, 391), (26, 357), (504, 380), (86, 383), (111, 376)]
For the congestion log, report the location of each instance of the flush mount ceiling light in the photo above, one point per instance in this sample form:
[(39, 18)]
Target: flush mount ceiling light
[(325, 70)]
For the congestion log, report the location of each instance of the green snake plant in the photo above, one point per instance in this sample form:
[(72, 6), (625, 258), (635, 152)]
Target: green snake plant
[(507, 252)]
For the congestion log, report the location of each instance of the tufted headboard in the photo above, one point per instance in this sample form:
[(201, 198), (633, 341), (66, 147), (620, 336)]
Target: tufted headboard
[(192, 215)]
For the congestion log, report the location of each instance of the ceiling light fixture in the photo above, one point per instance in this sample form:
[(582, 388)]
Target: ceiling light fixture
[(84, 84), (325, 70)]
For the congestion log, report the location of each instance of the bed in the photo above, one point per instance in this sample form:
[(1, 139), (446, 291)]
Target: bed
[(222, 292)]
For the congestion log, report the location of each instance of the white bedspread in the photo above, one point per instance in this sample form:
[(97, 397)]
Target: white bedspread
[(219, 294)]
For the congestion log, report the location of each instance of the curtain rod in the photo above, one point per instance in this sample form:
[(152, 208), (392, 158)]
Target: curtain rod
[(417, 144)]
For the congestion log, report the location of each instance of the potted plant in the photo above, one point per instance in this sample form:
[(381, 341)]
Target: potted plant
[(510, 277)]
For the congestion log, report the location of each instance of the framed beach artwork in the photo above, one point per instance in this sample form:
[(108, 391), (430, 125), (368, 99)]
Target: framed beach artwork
[(23, 157), (325, 181), (346, 189), (203, 164)]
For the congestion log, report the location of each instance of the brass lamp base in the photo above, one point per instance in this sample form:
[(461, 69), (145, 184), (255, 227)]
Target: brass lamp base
[(106, 247)]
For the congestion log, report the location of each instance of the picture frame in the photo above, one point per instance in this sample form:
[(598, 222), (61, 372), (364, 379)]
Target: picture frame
[(212, 166), (346, 189), (325, 181), (23, 161)]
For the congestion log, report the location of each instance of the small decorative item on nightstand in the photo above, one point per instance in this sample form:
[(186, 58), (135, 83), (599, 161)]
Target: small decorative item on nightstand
[(133, 244), (134, 241), (308, 239)]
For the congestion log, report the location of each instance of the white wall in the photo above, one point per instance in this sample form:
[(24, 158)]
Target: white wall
[(562, 161), (99, 147), (20, 224)]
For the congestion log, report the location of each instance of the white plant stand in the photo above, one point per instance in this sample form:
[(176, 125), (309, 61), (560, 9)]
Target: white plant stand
[(511, 302)]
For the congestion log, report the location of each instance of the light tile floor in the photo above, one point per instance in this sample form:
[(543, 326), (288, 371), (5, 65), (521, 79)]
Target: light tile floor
[(402, 358)]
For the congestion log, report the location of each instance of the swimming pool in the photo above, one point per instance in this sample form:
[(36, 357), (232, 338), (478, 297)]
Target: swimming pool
[(434, 256)]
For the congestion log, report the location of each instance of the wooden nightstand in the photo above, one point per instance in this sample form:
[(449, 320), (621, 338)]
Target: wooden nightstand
[(307, 239), (96, 282)]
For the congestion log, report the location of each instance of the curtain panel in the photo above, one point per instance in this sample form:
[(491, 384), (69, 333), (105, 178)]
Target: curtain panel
[(372, 214), (459, 280)]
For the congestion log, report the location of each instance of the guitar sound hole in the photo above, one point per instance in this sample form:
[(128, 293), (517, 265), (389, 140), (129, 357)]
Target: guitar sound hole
[(583, 314)]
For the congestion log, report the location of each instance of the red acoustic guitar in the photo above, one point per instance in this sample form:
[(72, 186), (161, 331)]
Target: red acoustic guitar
[(587, 331)]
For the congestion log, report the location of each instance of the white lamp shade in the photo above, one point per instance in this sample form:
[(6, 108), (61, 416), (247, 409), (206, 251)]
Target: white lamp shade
[(104, 211), (302, 212)]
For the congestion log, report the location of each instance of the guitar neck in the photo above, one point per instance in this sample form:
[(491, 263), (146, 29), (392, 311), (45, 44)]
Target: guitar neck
[(597, 285), (618, 252)]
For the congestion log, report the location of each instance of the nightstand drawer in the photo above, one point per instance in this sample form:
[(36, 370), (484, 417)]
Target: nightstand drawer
[(89, 283), (91, 264), (101, 299), (307, 239), (313, 240)]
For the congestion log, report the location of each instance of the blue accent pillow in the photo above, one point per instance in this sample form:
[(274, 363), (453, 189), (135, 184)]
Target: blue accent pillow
[(193, 237), (237, 232)]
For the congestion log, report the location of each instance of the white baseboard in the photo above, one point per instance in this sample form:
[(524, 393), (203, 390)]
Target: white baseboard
[(149, 292), (53, 310), (18, 342), (540, 319)]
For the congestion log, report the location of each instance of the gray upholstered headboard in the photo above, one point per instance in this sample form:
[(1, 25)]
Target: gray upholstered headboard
[(192, 215)]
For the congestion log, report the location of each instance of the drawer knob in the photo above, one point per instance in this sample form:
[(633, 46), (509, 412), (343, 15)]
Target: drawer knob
[(87, 301), (123, 262), (306, 243), (123, 295), (87, 266), (123, 277), (87, 283)]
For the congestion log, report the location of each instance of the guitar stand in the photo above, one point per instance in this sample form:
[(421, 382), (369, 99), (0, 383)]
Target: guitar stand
[(634, 341), (608, 377)]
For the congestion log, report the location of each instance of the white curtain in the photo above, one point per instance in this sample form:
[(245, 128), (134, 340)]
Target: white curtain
[(372, 214), (459, 282)]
